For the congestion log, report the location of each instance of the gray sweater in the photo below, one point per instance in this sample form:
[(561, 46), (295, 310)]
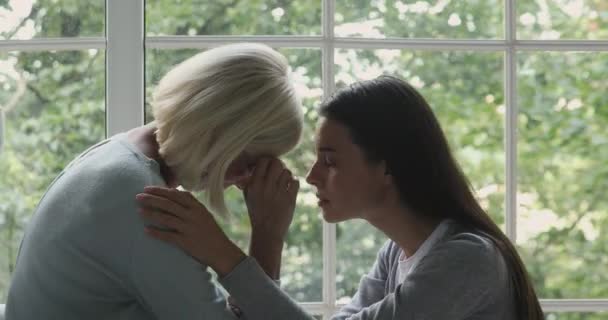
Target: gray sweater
[(85, 254), (459, 276)]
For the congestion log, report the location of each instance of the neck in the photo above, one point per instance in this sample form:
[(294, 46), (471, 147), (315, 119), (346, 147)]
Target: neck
[(144, 138), (409, 230)]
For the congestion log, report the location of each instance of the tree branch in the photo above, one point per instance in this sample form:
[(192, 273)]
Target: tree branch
[(12, 102), (33, 12), (38, 94)]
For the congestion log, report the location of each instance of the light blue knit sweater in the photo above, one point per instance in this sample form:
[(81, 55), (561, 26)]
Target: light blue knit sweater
[(85, 254)]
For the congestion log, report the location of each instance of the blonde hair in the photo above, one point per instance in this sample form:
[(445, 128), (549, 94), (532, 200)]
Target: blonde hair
[(219, 103)]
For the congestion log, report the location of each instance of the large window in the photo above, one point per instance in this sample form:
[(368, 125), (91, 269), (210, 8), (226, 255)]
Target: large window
[(52, 104), (519, 87)]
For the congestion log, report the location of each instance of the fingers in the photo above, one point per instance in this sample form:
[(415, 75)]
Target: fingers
[(163, 219), (269, 175), (259, 172), (294, 187), (285, 179), (166, 236), (162, 203), (292, 190), (274, 170), (182, 198)]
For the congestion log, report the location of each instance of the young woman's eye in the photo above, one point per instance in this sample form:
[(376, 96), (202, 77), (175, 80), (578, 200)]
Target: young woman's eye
[(328, 161)]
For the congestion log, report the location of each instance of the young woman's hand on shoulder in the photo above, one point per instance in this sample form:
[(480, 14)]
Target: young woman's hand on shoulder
[(190, 226)]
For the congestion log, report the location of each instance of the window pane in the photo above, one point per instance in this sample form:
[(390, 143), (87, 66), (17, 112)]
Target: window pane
[(26, 19), (419, 19), (559, 19), (563, 151), (56, 109), (466, 92), (302, 256), (223, 17), (575, 316)]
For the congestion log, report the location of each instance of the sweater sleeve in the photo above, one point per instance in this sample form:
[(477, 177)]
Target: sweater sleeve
[(371, 287), (172, 285), (454, 281), (258, 296)]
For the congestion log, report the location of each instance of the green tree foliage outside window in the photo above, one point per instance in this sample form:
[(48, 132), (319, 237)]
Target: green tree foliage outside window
[(56, 102)]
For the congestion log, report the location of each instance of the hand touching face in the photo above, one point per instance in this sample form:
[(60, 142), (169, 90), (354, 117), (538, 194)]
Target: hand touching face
[(270, 195)]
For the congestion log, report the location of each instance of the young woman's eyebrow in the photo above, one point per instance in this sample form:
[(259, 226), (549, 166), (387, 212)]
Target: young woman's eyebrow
[(326, 149)]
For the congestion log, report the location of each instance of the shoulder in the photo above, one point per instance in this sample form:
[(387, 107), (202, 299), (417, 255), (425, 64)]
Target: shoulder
[(469, 244), (463, 272), (108, 169), (467, 252), (389, 252), (117, 162)]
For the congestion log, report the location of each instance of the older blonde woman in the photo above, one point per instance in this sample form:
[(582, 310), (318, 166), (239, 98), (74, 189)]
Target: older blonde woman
[(85, 254)]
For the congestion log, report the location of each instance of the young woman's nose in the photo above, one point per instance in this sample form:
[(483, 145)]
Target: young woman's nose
[(312, 177)]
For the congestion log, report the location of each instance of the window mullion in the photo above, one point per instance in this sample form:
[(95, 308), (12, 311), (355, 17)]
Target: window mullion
[(510, 88), (574, 305), (54, 44), (124, 65)]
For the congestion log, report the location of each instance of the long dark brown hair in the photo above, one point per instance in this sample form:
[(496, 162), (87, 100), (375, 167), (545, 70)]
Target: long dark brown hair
[(390, 121)]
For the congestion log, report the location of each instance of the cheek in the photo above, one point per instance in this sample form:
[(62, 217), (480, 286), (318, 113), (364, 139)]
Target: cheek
[(348, 199), (343, 187), (353, 191)]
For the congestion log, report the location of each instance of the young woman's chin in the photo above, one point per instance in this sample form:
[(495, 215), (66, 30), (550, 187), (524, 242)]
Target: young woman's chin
[(332, 216)]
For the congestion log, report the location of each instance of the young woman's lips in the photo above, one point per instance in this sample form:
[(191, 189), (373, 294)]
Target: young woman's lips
[(322, 201)]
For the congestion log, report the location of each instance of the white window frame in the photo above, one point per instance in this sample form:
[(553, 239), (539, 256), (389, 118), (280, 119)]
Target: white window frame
[(125, 43)]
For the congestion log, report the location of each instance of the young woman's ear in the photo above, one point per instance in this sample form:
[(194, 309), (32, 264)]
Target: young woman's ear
[(388, 177), (384, 166)]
